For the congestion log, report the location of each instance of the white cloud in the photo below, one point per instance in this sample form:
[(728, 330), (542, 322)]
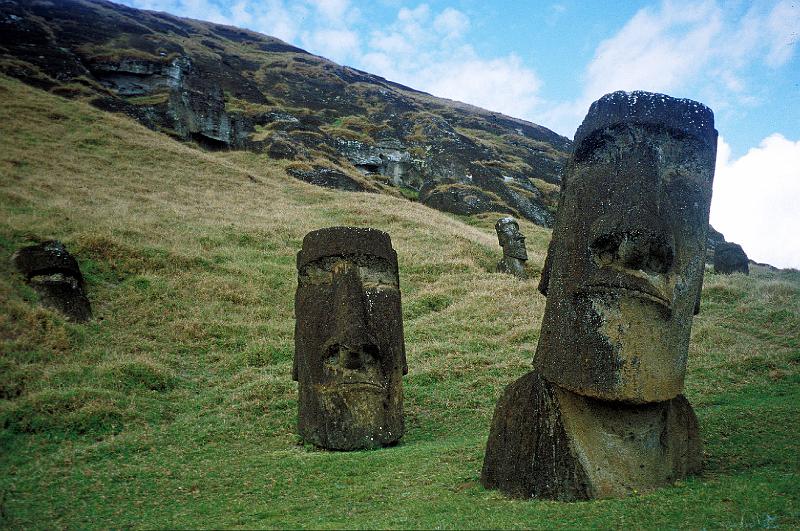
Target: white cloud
[(689, 49), (655, 51), (503, 84), (339, 44), (333, 10), (755, 201), (429, 51), (783, 25), (451, 22)]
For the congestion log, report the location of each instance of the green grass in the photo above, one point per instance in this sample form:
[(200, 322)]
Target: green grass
[(174, 407)]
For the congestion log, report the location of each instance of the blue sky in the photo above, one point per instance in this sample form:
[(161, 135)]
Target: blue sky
[(547, 61)]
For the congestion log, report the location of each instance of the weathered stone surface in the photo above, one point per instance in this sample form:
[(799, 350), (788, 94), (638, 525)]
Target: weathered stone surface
[(349, 347), (730, 258), (463, 199), (546, 442), (513, 243), (55, 275), (602, 415), (328, 178), (714, 238), (387, 157), (627, 256)]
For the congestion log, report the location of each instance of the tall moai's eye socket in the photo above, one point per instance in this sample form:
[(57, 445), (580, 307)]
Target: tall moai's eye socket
[(604, 249), (632, 250)]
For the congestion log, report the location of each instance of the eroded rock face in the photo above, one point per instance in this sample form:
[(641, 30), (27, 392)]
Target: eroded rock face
[(55, 275), (627, 255), (602, 415), (328, 178), (463, 199), (228, 88), (349, 347), (513, 243), (387, 157), (730, 258)]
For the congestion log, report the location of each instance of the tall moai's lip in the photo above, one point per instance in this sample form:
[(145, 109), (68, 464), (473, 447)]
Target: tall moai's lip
[(639, 107)]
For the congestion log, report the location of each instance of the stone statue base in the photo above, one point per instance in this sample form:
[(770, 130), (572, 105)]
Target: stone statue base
[(546, 442)]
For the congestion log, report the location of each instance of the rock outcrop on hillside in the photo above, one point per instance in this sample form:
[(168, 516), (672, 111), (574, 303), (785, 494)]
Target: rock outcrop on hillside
[(228, 88), (726, 257)]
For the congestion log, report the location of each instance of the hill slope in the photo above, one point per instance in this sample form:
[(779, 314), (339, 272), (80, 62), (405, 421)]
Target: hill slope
[(175, 407), (224, 87)]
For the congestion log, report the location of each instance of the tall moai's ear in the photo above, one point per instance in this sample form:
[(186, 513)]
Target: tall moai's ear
[(548, 262), (699, 295)]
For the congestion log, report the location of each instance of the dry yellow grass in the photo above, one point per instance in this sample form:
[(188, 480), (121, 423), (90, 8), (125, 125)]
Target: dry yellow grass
[(174, 407)]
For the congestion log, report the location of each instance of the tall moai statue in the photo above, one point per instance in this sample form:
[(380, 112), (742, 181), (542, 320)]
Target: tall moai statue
[(513, 243), (602, 414), (350, 355)]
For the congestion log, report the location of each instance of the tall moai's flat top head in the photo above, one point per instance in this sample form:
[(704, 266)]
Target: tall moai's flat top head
[(511, 239), (627, 256), (349, 348)]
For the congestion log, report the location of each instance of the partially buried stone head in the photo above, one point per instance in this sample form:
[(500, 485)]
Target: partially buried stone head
[(349, 348)]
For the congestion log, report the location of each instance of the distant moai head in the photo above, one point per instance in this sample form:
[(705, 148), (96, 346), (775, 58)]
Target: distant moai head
[(511, 239), (625, 265), (349, 348)]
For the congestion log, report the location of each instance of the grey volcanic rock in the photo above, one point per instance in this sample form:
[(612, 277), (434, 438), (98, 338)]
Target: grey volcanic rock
[(462, 199), (328, 178), (349, 349), (714, 238), (387, 157), (730, 258), (647, 109), (55, 275)]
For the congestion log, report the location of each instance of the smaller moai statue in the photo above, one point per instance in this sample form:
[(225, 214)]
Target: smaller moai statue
[(513, 243), (350, 355)]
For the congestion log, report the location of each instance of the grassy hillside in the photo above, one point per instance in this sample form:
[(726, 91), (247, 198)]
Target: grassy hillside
[(175, 407), (225, 87)]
